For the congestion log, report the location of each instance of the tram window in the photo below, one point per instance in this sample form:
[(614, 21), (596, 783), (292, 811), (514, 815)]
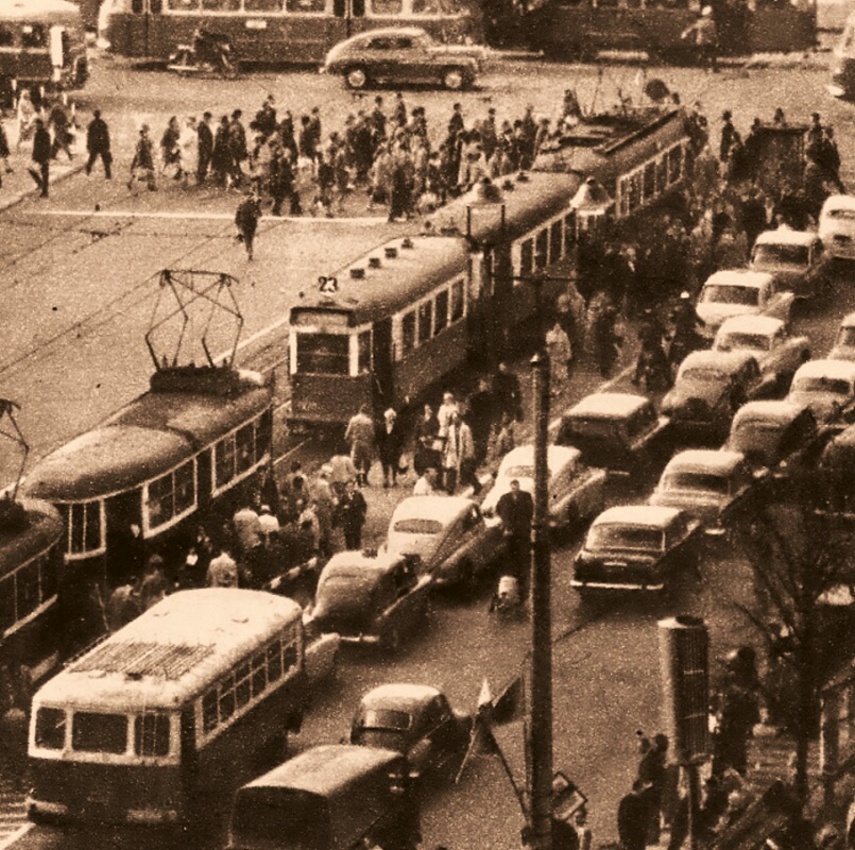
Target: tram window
[(243, 692), (151, 734), (48, 575), (7, 604), (441, 322), (84, 523), (555, 241), (290, 657), (221, 5), (50, 728), (93, 732), (171, 495), (245, 448), (27, 589), (182, 5), (634, 191), (262, 5), (7, 36), (185, 487), (33, 36), (661, 174), (569, 232), (263, 434), (649, 180), (542, 248), (363, 354), (225, 454), (322, 354), (675, 164), (137, 7), (624, 196), (425, 320), (526, 258), (426, 7), (386, 7), (457, 303), (408, 331), (306, 7)]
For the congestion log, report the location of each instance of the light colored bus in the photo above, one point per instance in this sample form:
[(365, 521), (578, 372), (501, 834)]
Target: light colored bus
[(170, 714)]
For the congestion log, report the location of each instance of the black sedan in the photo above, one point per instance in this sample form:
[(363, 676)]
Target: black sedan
[(416, 720)]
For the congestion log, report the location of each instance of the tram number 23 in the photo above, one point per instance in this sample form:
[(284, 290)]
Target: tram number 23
[(328, 285)]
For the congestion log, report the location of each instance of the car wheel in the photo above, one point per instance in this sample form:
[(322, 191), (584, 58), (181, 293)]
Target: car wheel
[(453, 79), (356, 78)]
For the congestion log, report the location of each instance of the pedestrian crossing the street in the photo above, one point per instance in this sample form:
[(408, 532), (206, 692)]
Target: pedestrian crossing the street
[(13, 813)]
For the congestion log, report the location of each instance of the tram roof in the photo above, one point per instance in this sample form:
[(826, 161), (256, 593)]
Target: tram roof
[(26, 532), (174, 650), (153, 434), (398, 283), (34, 10)]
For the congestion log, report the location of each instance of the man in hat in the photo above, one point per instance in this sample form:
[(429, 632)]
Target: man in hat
[(142, 165), (40, 170), (247, 216), (390, 441), (728, 135), (205, 147)]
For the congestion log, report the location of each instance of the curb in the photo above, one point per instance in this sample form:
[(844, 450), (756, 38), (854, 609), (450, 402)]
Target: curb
[(17, 197)]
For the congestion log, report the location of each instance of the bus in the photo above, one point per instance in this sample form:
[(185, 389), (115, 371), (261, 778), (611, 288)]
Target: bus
[(42, 47), (276, 31), (162, 722), (578, 29)]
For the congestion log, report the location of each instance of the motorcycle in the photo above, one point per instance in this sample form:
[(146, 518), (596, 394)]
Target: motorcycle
[(210, 53)]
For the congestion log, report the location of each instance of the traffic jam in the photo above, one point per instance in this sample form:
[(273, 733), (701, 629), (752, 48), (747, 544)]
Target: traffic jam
[(194, 585)]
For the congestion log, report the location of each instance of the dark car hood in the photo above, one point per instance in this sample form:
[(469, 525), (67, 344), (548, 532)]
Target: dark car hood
[(683, 394)]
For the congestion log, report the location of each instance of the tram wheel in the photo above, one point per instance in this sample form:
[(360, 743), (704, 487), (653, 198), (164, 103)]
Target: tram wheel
[(355, 78)]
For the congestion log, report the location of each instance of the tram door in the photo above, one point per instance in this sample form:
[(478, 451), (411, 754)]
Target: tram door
[(138, 23), (381, 355), (348, 15), (125, 545)]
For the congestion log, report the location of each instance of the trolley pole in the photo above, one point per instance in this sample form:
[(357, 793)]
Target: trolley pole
[(540, 723)]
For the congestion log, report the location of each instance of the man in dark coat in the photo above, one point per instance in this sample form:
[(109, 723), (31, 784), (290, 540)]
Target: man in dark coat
[(482, 416), (390, 443), (351, 512), (206, 147), (246, 218), (728, 131), (40, 170), (98, 144), (507, 392), (633, 818), (282, 182), (516, 509)]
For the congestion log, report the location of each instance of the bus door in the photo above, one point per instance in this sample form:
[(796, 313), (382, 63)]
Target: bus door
[(381, 355)]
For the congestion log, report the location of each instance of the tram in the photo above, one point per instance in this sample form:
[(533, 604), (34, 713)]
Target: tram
[(385, 328), (282, 31)]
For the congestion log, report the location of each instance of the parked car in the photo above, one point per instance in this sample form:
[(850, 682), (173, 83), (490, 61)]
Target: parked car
[(712, 485), (837, 226), (415, 720), (778, 436), (636, 547), (397, 55), (576, 491), (372, 598), (709, 388), (795, 258), (844, 343), (448, 534), (828, 388), (618, 432), (738, 292), (778, 354)]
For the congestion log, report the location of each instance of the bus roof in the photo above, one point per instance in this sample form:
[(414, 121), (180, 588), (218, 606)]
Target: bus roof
[(34, 10), (153, 434), (174, 650), (27, 528)]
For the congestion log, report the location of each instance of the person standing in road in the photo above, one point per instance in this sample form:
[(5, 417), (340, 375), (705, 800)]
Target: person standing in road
[(247, 217), (390, 442), (506, 388), (359, 435), (352, 509), (40, 170), (206, 147), (98, 144), (61, 125), (632, 818), (142, 165), (516, 509)]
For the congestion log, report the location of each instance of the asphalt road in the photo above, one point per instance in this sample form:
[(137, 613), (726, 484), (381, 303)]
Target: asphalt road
[(78, 291)]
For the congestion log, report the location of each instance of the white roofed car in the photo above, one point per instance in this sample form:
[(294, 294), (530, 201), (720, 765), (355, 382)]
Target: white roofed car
[(576, 491), (828, 388), (737, 292), (709, 484), (844, 344), (837, 226), (778, 353), (403, 55), (794, 257), (448, 534)]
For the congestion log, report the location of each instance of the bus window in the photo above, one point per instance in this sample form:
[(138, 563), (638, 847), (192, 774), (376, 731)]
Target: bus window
[(274, 662), (151, 734), (227, 698), (93, 732), (363, 354), (210, 716), (50, 728), (385, 7), (457, 303), (425, 318), (7, 35), (408, 332), (306, 7), (33, 36), (441, 312), (322, 354), (243, 690)]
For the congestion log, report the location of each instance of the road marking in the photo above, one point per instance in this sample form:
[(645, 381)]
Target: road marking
[(16, 835), (368, 221)]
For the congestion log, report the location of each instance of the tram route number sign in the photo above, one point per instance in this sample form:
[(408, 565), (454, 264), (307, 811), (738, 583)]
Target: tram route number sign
[(328, 285)]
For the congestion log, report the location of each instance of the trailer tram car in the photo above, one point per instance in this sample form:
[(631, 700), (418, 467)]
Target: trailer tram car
[(387, 327), (142, 481), (162, 722)]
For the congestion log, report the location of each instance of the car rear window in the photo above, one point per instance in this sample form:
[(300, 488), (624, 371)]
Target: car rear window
[(740, 341), (789, 255), (719, 294), (626, 537), (386, 718), (841, 215), (822, 384), (706, 482)]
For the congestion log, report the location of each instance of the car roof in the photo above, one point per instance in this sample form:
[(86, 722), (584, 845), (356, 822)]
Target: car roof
[(740, 277), (785, 236), (848, 320), (444, 509), (843, 369), (557, 457), (608, 405), (370, 561), (839, 202), (748, 324), (413, 32), (708, 358), (777, 410), (718, 461), (399, 695), (654, 516)]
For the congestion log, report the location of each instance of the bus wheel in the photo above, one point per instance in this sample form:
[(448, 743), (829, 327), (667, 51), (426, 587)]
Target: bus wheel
[(453, 79), (355, 78)]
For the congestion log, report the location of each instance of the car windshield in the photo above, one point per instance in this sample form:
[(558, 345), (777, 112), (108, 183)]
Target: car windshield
[(715, 293), (597, 429), (701, 375), (822, 384), (417, 525), (754, 435), (745, 342), (846, 335), (626, 537), (841, 215), (386, 718), (782, 255), (519, 472), (706, 482)]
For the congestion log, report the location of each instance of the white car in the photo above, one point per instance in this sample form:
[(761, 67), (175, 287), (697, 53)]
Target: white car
[(777, 353), (827, 387), (739, 292), (794, 258), (844, 344), (837, 226), (576, 491)]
